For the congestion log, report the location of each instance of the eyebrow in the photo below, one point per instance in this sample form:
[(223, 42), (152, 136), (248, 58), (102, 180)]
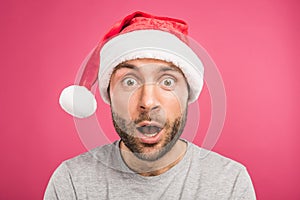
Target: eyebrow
[(169, 68), (164, 68), (126, 65)]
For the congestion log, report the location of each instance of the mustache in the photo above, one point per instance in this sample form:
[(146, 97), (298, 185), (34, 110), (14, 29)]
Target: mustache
[(148, 116)]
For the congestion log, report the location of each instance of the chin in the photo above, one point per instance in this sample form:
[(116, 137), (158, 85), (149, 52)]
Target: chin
[(151, 152)]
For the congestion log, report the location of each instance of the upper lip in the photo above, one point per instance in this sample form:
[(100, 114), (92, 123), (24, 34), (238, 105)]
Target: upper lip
[(149, 123), (149, 127)]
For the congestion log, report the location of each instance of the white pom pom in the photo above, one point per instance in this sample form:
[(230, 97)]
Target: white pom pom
[(78, 101)]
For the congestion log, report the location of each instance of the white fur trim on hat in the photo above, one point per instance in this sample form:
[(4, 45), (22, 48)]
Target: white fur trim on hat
[(154, 44), (78, 101)]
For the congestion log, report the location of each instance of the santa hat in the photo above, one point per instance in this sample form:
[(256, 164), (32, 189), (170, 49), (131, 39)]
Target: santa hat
[(138, 35)]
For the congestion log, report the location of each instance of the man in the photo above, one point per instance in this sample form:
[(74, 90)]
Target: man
[(148, 74)]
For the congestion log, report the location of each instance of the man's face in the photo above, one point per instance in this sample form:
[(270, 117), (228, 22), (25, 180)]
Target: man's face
[(149, 106)]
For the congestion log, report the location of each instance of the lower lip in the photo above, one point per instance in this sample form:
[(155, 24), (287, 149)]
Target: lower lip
[(150, 140)]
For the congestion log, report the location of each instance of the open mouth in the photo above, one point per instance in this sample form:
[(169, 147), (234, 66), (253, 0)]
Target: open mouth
[(149, 130)]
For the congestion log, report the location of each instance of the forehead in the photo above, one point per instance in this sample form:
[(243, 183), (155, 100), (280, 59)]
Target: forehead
[(138, 64)]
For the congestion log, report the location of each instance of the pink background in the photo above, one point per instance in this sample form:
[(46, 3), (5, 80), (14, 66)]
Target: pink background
[(255, 45)]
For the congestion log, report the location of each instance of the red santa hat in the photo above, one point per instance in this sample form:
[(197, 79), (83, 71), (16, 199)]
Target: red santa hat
[(138, 35)]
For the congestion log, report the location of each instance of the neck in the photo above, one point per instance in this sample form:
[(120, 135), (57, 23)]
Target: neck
[(157, 167)]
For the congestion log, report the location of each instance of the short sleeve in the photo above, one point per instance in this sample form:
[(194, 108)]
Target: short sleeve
[(243, 189), (60, 185)]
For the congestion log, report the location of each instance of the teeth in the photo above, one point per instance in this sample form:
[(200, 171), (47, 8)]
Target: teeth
[(150, 135)]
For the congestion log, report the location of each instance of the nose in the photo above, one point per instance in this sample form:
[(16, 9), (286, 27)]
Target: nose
[(148, 100)]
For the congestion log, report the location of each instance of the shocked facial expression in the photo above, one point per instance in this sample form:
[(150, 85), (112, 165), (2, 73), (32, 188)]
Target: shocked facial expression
[(149, 106)]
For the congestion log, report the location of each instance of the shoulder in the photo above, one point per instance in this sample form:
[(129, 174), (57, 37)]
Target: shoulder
[(214, 160), (75, 173), (89, 159), (214, 167), (218, 171)]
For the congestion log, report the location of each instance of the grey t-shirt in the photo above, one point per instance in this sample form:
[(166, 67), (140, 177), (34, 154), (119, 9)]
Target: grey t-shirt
[(102, 174)]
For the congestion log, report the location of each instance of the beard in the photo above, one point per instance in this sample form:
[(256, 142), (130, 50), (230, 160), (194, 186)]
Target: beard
[(149, 152)]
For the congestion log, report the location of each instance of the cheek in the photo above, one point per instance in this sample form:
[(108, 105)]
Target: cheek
[(126, 103), (174, 103), (119, 103), (133, 104)]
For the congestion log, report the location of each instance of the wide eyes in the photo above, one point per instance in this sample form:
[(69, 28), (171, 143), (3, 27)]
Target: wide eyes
[(166, 83), (129, 82)]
